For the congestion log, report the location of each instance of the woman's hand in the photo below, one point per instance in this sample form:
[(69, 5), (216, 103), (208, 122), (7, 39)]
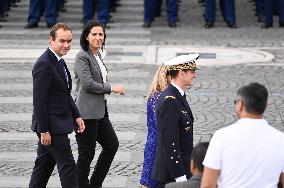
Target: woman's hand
[(118, 89)]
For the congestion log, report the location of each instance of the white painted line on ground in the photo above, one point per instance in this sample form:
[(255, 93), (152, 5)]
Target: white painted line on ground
[(110, 100), (25, 136), (114, 117), (120, 74), (29, 86), (224, 56), (30, 32)]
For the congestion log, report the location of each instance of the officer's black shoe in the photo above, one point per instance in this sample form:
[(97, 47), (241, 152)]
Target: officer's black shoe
[(232, 25), (31, 25), (209, 25), (281, 24), (266, 26), (146, 24), (172, 24)]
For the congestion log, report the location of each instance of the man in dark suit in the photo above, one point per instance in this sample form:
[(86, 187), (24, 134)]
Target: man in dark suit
[(55, 113), (175, 123)]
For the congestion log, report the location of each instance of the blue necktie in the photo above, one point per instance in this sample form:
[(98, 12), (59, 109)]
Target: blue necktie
[(63, 65)]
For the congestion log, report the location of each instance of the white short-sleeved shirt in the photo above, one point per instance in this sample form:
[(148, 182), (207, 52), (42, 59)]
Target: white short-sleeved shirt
[(249, 153)]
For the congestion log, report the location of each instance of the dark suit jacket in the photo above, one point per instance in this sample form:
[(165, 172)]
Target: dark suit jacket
[(175, 136), (193, 182), (54, 109)]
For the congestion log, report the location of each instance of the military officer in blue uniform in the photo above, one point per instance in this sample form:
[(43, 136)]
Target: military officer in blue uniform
[(172, 12), (151, 6), (175, 123), (36, 7), (102, 8), (228, 12), (149, 12), (269, 5)]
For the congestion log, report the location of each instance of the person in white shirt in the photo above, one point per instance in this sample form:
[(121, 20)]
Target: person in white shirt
[(248, 153)]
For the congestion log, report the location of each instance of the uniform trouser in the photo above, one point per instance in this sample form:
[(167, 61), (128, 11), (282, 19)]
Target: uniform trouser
[(227, 9), (4, 6), (172, 10), (149, 10), (58, 153), (50, 8), (102, 7), (268, 11), (260, 7), (100, 131)]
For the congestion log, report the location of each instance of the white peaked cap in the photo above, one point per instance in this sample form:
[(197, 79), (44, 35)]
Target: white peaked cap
[(182, 59)]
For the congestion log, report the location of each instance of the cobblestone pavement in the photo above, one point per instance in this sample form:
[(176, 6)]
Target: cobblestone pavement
[(129, 62)]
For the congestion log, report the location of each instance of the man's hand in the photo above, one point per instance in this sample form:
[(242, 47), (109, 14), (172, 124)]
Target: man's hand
[(45, 138), (81, 125)]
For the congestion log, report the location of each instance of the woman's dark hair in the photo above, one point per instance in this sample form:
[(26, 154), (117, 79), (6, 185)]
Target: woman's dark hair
[(86, 30)]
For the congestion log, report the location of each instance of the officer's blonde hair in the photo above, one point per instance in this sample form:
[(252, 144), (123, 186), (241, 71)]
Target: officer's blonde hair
[(160, 81)]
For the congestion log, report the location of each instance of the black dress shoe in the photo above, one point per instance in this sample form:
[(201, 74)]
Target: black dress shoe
[(209, 25), (146, 24), (172, 24), (266, 25), (281, 24), (232, 25), (31, 25)]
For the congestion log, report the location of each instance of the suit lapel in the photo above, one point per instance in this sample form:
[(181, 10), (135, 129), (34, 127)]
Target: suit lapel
[(94, 63), (182, 99), (55, 62)]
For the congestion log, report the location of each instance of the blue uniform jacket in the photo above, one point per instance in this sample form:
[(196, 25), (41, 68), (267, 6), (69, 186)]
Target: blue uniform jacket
[(175, 137)]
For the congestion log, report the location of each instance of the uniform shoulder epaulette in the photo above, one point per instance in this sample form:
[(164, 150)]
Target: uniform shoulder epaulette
[(170, 97)]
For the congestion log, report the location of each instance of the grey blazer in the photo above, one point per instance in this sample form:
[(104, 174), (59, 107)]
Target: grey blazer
[(90, 89), (193, 182)]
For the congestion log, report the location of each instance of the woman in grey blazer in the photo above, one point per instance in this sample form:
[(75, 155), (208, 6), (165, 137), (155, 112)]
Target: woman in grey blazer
[(92, 88)]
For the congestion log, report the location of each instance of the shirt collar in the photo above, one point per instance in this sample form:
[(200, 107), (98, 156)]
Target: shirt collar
[(178, 88), (57, 56)]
